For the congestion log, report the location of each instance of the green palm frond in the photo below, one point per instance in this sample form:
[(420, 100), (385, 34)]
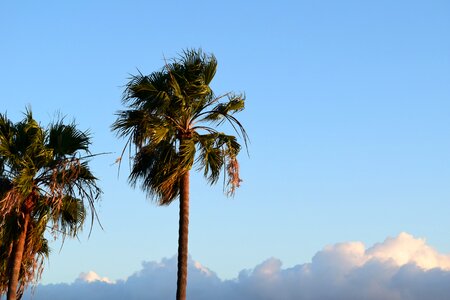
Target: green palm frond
[(141, 125), (148, 91), (158, 168), (71, 216), (211, 155), (66, 140)]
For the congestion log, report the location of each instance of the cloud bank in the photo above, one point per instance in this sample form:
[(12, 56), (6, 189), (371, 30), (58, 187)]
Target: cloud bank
[(399, 268)]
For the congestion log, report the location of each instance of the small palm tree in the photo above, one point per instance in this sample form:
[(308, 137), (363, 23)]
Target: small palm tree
[(45, 183), (169, 118)]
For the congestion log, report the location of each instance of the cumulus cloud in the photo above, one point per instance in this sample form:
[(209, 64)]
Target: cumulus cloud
[(405, 249), (403, 267), (91, 276)]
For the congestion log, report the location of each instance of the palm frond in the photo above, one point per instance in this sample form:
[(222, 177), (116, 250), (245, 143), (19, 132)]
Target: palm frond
[(67, 139)]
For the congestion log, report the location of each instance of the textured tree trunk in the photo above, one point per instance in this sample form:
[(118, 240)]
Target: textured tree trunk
[(183, 238), (16, 264)]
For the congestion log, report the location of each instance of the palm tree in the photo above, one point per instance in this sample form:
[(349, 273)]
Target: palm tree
[(46, 183), (169, 120)]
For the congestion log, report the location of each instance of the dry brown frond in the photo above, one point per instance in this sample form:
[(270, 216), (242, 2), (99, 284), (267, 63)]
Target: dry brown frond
[(234, 181), (11, 202)]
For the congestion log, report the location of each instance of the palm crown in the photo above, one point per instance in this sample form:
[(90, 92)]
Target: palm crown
[(169, 121)]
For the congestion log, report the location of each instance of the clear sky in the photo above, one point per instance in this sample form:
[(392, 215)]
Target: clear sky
[(348, 106)]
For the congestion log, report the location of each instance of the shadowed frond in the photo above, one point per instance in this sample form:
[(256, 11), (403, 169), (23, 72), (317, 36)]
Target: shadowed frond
[(67, 139)]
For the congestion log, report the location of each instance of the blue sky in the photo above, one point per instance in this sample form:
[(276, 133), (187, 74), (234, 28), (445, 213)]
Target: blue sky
[(347, 111)]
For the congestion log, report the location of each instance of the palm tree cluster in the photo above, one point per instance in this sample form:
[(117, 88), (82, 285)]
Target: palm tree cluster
[(45, 183), (170, 126)]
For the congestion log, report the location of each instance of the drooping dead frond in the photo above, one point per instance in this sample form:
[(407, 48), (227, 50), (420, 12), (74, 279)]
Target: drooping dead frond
[(234, 181), (9, 204)]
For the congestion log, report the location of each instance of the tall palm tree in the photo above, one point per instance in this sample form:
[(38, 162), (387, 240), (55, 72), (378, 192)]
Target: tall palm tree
[(46, 183), (170, 119)]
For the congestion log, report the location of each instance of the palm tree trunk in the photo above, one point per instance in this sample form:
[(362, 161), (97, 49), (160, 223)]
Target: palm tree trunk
[(183, 238), (16, 264)]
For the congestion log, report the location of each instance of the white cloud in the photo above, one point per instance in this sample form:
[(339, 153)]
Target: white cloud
[(91, 276), (405, 249), (399, 268)]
